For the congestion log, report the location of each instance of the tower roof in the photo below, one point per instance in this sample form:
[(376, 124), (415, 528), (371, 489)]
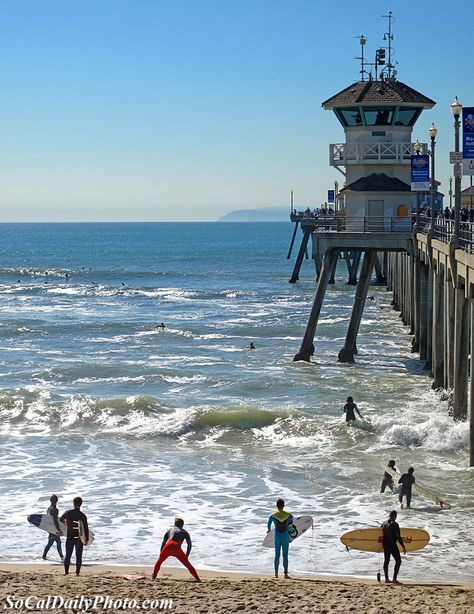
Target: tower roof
[(377, 182), (374, 93)]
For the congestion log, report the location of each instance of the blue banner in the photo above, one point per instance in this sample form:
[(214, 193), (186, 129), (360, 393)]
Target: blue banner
[(420, 172), (468, 133), (330, 196)]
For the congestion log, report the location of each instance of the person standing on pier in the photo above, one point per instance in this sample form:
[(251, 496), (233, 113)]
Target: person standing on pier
[(350, 408), (407, 480)]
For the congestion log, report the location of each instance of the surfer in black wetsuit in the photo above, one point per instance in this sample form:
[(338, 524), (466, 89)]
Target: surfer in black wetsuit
[(349, 408), (392, 537), (73, 518), (407, 480), (388, 479), (53, 538)]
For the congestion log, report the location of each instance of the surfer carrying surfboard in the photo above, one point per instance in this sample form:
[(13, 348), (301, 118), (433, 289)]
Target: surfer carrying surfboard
[(390, 540), (407, 480), (281, 520), (73, 540), (54, 538), (387, 478), (349, 408)]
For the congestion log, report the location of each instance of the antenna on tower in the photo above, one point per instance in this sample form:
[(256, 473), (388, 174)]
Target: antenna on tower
[(391, 73), (362, 41)]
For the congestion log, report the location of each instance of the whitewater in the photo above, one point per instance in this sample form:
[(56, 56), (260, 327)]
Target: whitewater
[(147, 423)]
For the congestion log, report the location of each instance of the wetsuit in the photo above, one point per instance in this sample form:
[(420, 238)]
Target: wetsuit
[(171, 546), (281, 520), (387, 480), (391, 535), (72, 518), (52, 537), (350, 408), (407, 480)]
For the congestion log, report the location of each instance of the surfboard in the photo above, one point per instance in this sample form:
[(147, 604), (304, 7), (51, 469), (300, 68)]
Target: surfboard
[(370, 540), (82, 534), (418, 488), (45, 522), (299, 526)]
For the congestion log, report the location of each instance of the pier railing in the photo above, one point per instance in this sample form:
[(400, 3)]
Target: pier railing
[(357, 153)]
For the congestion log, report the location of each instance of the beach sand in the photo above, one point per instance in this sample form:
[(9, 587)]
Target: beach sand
[(227, 592)]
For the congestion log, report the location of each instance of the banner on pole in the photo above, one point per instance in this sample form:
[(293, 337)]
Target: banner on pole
[(420, 173), (468, 140)]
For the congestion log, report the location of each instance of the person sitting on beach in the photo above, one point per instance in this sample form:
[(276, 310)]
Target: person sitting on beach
[(349, 408), (54, 538), (73, 541), (281, 520), (388, 479), (407, 480), (392, 537), (171, 546)]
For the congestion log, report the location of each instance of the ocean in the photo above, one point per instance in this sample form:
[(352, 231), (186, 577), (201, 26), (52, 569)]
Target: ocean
[(147, 423)]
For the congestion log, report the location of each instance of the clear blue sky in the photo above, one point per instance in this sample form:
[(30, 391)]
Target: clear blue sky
[(187, 109)]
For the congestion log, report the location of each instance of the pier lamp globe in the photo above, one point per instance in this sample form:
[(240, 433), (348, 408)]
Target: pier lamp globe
[(456, 109), (417, 147), (432, 132)]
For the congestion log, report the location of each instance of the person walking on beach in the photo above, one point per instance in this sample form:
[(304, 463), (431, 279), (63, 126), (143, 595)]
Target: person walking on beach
[(407, 480), (73, 541), (54, 538), (171, 546), (388, 479), (390, 540), (281, 520), (349, 408)]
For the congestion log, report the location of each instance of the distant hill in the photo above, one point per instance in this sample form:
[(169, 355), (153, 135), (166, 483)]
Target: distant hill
[(263, 214)]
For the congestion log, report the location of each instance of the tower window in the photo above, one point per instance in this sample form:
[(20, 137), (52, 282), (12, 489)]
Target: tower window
[(378, 117)]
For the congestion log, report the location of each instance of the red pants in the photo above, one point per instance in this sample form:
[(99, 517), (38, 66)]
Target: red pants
[(174, 549)]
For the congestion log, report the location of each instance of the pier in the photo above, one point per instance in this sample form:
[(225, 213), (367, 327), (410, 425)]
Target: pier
[(426, 258)]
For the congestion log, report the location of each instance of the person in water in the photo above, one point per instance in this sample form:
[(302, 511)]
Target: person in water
[(388, 479), (251, 346), (54, 538), (73, 541), (349, 408), (281, 520), (407, 480), (390, 540), (171, 546)]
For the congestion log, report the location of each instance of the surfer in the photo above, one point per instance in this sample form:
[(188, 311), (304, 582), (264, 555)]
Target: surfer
[(392, 536), (73, 518), (349, 408), (387, 478), (171, 546), (407, 480), (281, 520), (251, 346), (54, 538)]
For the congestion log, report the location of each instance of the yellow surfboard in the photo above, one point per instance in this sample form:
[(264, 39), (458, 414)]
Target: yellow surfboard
[(370, 540)]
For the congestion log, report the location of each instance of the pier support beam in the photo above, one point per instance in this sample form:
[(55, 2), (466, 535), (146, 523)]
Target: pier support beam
[(301, 253), (438, 330), (471, 397), (347, 352), (415, 344), (423, 310), (461, 353), (352, 281), (307, 346), (449, 332)]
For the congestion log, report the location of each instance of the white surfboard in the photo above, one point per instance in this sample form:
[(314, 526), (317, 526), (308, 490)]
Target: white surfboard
[(299, 526), (45, 522), (418, 488)]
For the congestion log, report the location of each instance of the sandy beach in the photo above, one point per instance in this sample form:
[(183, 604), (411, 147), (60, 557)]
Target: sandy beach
[(220, 593)]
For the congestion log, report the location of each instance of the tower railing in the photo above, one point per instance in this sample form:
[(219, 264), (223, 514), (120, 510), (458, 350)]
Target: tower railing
[(381, 153)]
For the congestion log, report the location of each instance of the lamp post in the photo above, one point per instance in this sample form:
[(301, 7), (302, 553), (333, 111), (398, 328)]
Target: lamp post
[(456, 109), (432, 134), (417, 147)]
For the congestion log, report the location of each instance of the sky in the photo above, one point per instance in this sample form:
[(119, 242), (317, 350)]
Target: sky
[(184, 110)]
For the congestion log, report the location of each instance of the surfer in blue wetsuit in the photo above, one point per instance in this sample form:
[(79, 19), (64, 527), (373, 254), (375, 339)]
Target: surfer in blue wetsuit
[(53, 538), (350, 408), (407, 480), (281, 520), (390, 540)]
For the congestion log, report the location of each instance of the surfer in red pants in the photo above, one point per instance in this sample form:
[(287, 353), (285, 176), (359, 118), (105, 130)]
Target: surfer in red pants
[(171, 546)]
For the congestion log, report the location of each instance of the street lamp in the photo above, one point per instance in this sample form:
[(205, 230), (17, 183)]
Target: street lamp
[(456, 109), (417, 147), (432, 134)]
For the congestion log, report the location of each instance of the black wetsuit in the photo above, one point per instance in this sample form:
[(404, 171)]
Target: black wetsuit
[(52, 537), (407, 480), (350, 408), (391, 536), (387, 480), (72, 517)]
